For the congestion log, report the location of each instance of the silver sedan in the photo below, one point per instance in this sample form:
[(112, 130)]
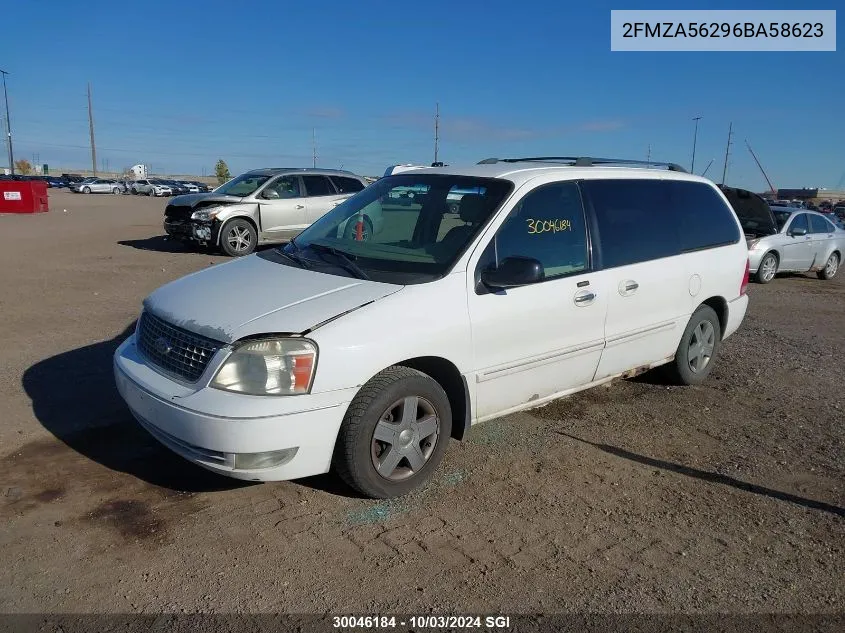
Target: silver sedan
[(99, 185), (803, 241)]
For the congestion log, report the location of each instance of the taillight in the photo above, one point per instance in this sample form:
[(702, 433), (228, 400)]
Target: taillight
[(745, 278)]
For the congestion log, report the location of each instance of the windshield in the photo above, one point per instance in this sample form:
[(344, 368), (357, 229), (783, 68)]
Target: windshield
[(406, 228), (243, 185)]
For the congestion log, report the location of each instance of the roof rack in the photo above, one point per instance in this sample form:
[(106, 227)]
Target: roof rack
[(583, 161)]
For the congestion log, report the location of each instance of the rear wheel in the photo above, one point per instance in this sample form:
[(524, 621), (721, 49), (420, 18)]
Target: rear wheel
[(86, 190), (116, 191), (351, 230), (767, 269), (394, 434), (698, 348), (238, 238), (830, 268)]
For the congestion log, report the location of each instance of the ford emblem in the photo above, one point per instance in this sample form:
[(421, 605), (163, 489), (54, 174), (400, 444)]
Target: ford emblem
[(162, 346)]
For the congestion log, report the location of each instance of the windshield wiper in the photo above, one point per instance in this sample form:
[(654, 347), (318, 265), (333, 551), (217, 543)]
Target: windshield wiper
[(347, 263), (295, 257)]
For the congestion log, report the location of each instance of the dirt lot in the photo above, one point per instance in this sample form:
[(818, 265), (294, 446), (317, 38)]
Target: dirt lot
[(634, 497)]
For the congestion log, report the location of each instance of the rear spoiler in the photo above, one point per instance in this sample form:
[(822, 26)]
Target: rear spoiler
[(398, 169)]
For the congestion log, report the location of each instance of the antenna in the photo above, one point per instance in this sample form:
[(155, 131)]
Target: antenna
[(436, 130), (771, 186), (694, 139), (727, 152), (91, 129), (707, 168)]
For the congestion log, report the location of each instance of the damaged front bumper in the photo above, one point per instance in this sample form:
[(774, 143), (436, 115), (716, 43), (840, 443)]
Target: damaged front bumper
[(195, 230)]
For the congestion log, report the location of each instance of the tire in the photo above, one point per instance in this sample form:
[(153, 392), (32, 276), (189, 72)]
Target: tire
[(830, 268), (766, 273), (373, 412), (86, 190), (151, 193), (349, 233), (238, 237), (703, 327), (116, 191), (133, 191)]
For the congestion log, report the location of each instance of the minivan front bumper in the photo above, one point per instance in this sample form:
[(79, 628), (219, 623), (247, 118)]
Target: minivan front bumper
[(296, 440)]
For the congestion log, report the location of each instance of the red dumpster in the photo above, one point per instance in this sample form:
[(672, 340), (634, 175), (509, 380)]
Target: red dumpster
[(23, 196)]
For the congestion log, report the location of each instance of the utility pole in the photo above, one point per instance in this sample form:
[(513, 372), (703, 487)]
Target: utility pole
[(648, 157), (91, 129), (8, 126), (436, 131), (314, 144), (727, 152), (694, 139)]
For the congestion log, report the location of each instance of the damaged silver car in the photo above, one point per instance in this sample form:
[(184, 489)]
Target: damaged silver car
[(263, 206)]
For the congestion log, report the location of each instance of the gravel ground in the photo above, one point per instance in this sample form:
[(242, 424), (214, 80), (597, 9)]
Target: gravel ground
[(632, 497)]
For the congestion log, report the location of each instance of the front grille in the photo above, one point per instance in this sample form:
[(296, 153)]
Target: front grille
[(177, 212), (174, 349)]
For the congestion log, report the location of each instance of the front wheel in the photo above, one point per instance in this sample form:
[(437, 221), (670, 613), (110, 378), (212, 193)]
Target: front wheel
[(116, 191), (767, 269), (238, 238), (698, 348), (151, 193), (830, 268), (394, 434)]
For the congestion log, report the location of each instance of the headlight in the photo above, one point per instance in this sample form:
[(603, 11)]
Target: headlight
[(269, 367), (205, 214)]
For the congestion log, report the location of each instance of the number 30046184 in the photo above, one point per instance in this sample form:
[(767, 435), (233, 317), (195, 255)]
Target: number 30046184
[(555, 225)]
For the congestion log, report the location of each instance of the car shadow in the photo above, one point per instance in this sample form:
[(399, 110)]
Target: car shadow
[(75, 398), (162, 244), (711, 477)]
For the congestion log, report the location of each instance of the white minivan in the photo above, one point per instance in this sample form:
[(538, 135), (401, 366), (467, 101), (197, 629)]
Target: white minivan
[(366, 352)]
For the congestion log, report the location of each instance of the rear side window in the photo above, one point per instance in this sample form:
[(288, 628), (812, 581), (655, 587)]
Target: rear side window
[(643, 220), (634, 219), (819, 225), (318, 186), (705, 221), (347, 185)]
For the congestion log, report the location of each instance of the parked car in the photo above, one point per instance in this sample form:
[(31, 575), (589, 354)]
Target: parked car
[(367, 356), (151, 187), (98, 185), (56, 182), (176, 187), (189, 186), (786, 239), (201, 186), (839, 211), (262, 207)]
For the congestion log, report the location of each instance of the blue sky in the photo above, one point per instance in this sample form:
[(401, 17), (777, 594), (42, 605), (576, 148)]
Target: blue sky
[(179, 85)]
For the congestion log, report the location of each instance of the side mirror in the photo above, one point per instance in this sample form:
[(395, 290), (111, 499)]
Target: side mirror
[(513, 272), (270, 194), (797, 232)]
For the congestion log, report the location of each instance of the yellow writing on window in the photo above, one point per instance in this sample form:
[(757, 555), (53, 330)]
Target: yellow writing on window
[(555, 225)]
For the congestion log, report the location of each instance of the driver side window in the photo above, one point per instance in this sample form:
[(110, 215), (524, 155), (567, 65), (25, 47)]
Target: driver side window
[(283, 188), (547, 225)]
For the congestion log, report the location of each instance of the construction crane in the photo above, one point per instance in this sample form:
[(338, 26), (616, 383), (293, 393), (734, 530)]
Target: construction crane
[(771, 186)]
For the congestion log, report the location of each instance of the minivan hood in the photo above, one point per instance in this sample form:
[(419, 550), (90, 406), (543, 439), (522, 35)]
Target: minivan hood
[(193, 199), (252, 295), (753, 212)]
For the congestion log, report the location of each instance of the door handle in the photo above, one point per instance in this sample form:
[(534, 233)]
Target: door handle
[(300, 206), (584, 297), (628, 287)]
